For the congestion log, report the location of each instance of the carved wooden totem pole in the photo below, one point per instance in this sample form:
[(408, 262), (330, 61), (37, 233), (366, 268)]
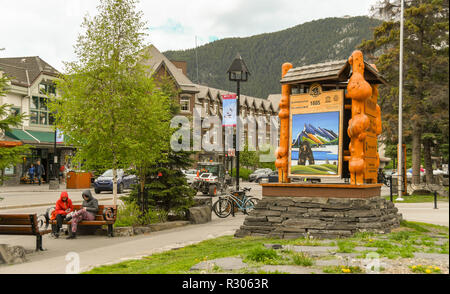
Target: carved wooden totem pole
[(283, 150), (359, 90)]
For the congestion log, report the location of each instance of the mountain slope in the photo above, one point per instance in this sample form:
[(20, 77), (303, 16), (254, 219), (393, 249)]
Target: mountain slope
[(308, 43)]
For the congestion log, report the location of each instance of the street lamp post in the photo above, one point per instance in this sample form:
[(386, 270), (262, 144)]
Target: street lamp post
[(238, 72), (401, 177)]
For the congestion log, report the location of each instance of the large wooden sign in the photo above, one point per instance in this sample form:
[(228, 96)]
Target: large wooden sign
[(315, 133)]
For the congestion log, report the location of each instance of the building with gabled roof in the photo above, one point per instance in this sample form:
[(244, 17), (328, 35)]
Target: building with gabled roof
[(30, 78)]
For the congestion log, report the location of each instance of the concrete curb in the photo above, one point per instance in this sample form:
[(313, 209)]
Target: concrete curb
[(45, 204)]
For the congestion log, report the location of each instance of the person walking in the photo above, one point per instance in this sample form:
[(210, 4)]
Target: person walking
[(31, 173), (87, 212), (63, 207), (39, 171)]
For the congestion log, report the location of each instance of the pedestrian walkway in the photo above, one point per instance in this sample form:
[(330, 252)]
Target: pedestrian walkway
[(425, 212), (26, 188), (26, 198), (94, 251)]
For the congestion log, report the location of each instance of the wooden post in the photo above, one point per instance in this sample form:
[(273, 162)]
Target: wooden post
[(358, 89), (282, 152)]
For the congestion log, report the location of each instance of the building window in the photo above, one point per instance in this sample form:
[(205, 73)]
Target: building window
[(47, 89), (185, 104), (10, 170), (39, 114), (15, 111)]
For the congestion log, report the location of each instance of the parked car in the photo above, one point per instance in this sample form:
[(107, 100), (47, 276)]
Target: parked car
[(270, 178), (105, 181), (257, 174), (190, 175)]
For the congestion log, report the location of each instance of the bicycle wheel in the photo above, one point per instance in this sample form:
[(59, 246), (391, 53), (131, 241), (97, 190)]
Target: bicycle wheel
[(249, 205), (222, 207)]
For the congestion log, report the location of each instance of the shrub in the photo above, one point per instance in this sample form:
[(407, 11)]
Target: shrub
[(302, 259), (262, 255), (127, 215), (130, 215), (243, 173)]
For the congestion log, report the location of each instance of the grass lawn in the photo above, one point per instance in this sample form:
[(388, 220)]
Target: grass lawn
[(402, 242), (417, 198)]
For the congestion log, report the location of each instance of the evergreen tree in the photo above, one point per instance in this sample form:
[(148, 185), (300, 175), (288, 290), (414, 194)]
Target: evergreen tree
[(164, 186), (425, 66)]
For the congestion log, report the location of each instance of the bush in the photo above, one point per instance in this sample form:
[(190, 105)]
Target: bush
[(262, 255), (243, 173), (302, 259), (130, 215)]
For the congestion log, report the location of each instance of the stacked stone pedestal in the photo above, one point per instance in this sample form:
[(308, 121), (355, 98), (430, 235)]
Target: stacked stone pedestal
[(319, 217)]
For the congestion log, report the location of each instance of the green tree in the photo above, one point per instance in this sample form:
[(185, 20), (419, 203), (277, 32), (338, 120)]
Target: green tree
[(425, 65), (247, 158), (109, 107), (9, 155)]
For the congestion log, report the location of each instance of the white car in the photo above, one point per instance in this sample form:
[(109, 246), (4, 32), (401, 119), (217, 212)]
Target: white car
[(190, 175)]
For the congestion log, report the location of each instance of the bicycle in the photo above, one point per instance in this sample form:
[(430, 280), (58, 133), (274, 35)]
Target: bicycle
[(227, 205)]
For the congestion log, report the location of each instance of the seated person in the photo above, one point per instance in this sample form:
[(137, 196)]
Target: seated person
[(87, 212), (63, 207)]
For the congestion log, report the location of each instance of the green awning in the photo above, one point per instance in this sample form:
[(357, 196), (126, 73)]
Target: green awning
[(19, 135), (43, 137)]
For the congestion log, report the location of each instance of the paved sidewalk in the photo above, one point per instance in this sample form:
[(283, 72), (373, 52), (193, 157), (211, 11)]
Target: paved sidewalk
[(425, 212), (98, 250), (14, 200), (26, 188)]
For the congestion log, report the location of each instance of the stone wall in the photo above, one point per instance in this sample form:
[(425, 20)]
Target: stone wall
[(295, 217)]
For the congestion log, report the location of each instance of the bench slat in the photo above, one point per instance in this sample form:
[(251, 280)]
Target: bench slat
[(15, 221), (16, 230)]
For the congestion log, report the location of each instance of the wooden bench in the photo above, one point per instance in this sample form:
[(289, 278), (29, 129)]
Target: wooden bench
[(106, 215), (22, 224)]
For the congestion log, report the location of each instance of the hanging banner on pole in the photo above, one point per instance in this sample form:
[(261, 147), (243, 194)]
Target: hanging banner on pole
[(229, 110), (59, 136)]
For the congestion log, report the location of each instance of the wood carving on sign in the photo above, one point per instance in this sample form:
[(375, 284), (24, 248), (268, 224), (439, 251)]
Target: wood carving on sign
[(359, 90), (282, 161)]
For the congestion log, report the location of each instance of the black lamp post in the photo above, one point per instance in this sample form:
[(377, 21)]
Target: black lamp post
[(238, 72)]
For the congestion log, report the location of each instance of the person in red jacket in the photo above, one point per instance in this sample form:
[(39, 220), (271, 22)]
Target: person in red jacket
[(63, 207)]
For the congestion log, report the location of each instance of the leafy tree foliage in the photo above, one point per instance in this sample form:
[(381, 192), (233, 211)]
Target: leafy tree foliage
[(9, 155), (108, 103)]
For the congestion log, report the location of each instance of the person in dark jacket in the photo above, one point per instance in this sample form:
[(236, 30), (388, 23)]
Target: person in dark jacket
[(87, 212), (62, 208), (39, 171)]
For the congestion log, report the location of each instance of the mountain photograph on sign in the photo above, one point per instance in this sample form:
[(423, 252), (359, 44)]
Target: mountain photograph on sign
[(315, 144)]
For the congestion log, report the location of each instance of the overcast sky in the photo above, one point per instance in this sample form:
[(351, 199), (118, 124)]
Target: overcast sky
[(49, 28)]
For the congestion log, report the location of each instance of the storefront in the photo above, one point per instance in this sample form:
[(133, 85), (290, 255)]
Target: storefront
[(42, 149)]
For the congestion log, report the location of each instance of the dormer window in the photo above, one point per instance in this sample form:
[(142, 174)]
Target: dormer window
[(185, 104)]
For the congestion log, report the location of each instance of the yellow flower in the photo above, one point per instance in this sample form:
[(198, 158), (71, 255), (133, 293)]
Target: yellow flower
[(370, 240), (430, 266), (414, 267), (428, 271), (437, 268)]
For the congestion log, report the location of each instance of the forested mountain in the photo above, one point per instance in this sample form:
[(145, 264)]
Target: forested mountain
[(313, 42)]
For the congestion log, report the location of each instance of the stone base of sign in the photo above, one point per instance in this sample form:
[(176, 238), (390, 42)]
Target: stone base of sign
[(319, 217), (321, 190)]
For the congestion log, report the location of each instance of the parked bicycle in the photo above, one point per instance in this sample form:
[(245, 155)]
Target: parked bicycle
[(233, 202)]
